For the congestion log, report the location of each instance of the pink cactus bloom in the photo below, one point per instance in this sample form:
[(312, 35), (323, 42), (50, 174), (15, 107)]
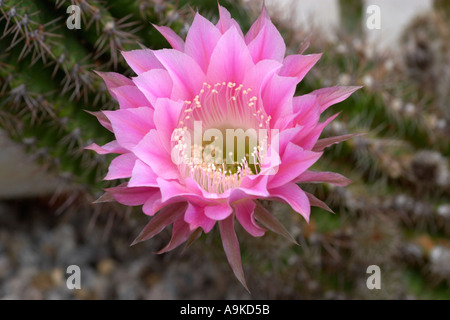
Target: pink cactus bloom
[(215, 81)]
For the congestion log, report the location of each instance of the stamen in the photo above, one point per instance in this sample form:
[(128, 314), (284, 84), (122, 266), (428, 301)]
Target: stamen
[(221, 106)]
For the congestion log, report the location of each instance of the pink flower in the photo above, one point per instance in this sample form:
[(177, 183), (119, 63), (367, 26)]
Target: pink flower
[(217, 79)]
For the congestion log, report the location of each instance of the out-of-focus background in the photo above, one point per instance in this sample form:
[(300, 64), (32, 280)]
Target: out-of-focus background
[(396, 213)]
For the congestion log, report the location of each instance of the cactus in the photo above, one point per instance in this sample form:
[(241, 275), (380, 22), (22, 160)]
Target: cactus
[(395, 214)]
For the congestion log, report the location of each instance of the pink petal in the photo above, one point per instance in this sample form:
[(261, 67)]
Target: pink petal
[(271, 162), (166, 118), (329, 96), (208, 197), (131, 196), (141, 60), (253, 186), (257, 26), (154, 84), (231, 247), (106, 197), (272, 223), (167, 216), (298, 66), (114, 80), (299, 135), (293, 195), (195, 216), (268, 44), (131, 125), (326, 142), (101, 117), (305, 44), (226, 22), (285, 121), (121, 167), (151, 151), (201, 40), (245, 211), (257, 77), (110, 147), (306, 110), (130, 97), (320, 177), (174, 40), (180, 233), (142, 175), (218, 212), (317, 203), (277, 96), (186, 74), (153, 204), (192, 238), (171, 189), (287, 136), (230, 60), (308, 141), (294, 162)]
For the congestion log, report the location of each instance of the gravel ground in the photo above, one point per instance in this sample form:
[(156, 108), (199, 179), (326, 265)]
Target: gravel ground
[(37, 246)]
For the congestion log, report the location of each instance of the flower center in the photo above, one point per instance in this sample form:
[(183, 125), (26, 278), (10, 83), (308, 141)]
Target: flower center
[(221, 137)]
